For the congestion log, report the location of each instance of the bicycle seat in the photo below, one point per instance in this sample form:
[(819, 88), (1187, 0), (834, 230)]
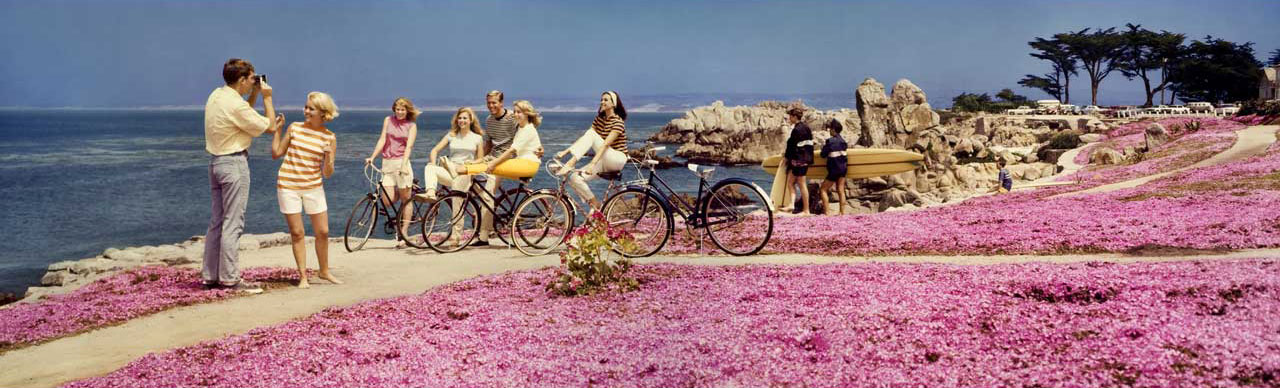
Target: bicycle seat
[(611, 176), (704, 172)]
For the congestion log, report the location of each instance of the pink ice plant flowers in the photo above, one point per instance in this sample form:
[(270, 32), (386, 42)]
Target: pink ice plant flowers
[(1179, 324), (112, 300)]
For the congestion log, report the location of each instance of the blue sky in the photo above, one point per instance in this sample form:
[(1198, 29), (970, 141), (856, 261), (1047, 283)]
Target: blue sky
[(149, 53)]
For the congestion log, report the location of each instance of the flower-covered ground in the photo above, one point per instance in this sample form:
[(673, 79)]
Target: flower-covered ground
[(1185, 148), (1228, 206), (115, 299), (1178, 324)]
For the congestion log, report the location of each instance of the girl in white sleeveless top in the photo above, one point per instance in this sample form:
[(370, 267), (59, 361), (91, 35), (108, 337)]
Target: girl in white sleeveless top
[(464, 140)]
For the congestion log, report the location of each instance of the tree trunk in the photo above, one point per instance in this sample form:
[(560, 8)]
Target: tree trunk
[(1066, 88), (1146, 86), (1093, 90)]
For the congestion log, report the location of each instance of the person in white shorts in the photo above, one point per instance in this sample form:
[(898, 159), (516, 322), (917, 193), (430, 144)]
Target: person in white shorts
[(395, 144), (308, 149)]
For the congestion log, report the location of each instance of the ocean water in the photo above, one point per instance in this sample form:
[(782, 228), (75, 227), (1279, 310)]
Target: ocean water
[(76, 182)]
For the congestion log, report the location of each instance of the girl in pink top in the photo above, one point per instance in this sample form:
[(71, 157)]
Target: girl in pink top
[(396, 145)]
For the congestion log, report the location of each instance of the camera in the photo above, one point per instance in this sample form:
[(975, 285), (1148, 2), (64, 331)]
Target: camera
[(260, 78)]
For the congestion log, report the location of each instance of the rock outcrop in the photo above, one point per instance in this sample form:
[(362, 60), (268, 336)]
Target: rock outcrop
[(959, 158), (718, 134), (65, 276), (1156, 136)]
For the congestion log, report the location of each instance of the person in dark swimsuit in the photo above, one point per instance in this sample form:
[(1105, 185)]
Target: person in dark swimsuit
[(798, 156), (837, 164)]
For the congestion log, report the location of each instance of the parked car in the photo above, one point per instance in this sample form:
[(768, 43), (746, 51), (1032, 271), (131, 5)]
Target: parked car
[(1068, 109), (1021, 110), (1200, 107), (1094, 110)]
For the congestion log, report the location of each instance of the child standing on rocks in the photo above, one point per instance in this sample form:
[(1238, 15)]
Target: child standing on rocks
[(308, 149)]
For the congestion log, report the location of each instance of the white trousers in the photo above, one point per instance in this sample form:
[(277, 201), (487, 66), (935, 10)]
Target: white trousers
[(612, 161)]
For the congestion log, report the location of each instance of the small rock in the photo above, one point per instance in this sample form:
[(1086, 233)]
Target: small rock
[(123, 255), (53, 278), (249, 244), (61, 265), (1092, 137)]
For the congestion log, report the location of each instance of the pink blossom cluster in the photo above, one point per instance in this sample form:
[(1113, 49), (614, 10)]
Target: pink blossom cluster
[(1179, 324), (113, 300), (1254, 119)]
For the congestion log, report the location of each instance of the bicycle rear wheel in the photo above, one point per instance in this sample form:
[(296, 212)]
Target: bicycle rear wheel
[(738, 218), (541, 223), (417, 211), (360, 224), (641, 214), (450, 224)]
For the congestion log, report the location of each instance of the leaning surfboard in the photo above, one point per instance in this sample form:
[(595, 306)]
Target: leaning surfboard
[(862, 163)]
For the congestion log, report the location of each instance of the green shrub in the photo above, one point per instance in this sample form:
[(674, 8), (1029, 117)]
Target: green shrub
[(590, 265), (1065, 140)]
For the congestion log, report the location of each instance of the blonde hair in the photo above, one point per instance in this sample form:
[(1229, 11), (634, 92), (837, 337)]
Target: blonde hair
[(475, 124), (322, 102), (494, 93), (408, 105), (523, 106)]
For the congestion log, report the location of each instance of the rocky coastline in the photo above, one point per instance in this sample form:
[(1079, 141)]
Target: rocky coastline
[(68, 275), (960, 154)]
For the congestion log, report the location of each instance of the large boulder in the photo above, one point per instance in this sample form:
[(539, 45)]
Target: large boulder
[(873, 106), (1105, 156), (1156, 136)]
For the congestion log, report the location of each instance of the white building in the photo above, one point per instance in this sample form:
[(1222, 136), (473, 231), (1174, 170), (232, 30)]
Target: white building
[(1269, 89)]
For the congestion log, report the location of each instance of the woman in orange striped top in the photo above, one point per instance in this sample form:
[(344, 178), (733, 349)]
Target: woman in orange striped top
[(308, 151)]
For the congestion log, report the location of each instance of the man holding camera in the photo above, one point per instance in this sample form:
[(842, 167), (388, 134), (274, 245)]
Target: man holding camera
[(230, 124)]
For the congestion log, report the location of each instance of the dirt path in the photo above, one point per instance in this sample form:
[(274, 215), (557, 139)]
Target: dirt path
[(376, 272), (1249, 142)]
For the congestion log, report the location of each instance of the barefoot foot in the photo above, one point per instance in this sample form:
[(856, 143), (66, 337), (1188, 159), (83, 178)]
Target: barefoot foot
[(330, 278), (304, 284)]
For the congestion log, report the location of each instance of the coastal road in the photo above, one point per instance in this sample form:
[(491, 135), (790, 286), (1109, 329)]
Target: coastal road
[(376, 272)]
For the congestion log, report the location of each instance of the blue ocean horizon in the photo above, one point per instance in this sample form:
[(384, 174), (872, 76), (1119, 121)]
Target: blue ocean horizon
[(74, 182)]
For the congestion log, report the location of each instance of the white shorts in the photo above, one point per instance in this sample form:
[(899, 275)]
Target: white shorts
[(397, 173), (294, 202)]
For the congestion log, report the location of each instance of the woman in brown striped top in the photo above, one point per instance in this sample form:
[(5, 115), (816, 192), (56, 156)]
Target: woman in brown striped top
[(607, 137), (308, 151)]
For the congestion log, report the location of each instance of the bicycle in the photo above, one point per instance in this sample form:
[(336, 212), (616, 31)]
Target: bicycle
[(733, 211), (458, 212), (543, 220), (364, 216)]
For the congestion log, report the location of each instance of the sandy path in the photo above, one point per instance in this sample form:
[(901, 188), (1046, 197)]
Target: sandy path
[(376, 272), (1249, 142)]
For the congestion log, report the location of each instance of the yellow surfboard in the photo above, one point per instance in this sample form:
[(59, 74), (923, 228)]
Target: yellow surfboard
[(862, 163)]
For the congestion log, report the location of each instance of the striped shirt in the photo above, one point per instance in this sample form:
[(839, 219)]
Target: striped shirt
[(304, 159), (604, 126), (500, 131)]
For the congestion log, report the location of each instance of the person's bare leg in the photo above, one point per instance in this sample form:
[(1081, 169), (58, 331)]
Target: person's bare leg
[(320, 225), (804, 194), (403, 195), (840, 192), (822, 192), (298, 237)]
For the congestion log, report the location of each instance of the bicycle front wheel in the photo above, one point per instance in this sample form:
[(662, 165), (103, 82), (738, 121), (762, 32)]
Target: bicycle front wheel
[(738, 218), (450, 224), (541, 223), (641, 214), (417, 212), (360, 224)]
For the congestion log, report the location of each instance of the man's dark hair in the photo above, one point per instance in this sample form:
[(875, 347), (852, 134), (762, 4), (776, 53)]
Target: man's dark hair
[(796, 112), (1000, 162), (235, 69), (835, 127), (497, 93)]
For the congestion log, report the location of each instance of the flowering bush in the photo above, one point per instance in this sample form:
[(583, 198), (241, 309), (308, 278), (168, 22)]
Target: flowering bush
[(1174, 324), (589, 263), (115, 299)]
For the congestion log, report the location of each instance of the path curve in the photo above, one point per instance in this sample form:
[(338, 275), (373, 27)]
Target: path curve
[(376, 272), (1249, 142)]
